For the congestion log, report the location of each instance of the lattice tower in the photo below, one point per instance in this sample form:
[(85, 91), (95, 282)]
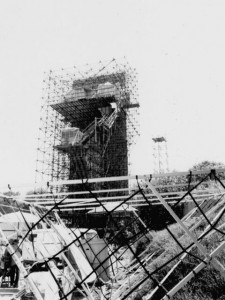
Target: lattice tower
[(160, 155)]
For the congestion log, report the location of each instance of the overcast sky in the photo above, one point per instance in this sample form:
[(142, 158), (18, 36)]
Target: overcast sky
[(177, 47)]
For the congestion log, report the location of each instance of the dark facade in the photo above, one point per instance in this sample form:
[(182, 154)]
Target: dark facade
[(98, 146)]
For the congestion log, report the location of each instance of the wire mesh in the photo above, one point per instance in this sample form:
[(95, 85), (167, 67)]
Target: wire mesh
[(163, 237)]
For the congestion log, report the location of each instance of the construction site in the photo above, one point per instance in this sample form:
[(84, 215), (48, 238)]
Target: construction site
[(89, 121), (90, 229)]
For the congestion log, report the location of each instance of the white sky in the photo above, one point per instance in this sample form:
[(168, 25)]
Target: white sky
[(177, 47)]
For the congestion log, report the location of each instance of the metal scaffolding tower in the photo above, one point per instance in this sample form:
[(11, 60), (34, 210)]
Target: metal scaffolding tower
[(88, 122), (160, 154)]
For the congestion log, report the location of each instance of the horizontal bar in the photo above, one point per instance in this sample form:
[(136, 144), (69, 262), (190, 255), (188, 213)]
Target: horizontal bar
[(132, 177), (46, 200), (130, 202)]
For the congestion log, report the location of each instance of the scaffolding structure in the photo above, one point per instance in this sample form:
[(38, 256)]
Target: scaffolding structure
[(160, 154), (89, 121)]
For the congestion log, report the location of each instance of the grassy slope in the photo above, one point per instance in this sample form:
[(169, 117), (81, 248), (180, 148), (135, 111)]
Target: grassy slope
[(207, 285)]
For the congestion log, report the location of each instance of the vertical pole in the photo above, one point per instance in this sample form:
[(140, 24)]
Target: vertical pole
[(96, 130)]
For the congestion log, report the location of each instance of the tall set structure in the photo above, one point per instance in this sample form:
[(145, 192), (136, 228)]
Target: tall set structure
[(160, 154), (88, 122)]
